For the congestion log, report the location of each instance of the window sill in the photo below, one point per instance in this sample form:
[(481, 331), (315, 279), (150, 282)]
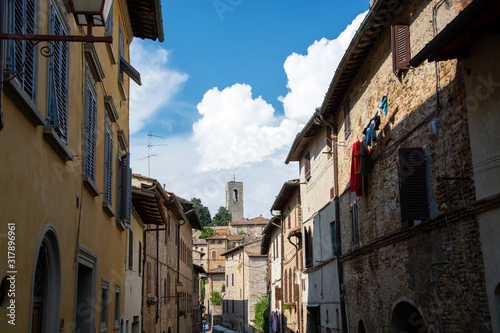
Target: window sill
[(90, 186), (120, 225), (21, 99), (121, 87), (50, 135), (111, 53), (107, 208)]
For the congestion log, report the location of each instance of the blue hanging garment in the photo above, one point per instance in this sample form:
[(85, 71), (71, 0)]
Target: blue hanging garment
[(383, 104)]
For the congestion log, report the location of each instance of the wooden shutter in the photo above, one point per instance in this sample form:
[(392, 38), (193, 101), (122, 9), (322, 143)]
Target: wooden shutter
[(108, 164), (413, 184), (355, 224), (130, 250), (347, 117), (140, 258), (400, 38), (22, 16), (90, 134), (307, 165), (126, 190), (334, 237), (59, 63)]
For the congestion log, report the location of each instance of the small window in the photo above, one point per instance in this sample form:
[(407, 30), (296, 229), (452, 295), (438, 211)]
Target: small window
[(104, 305), (307, 165), (108, 162), (400, 38), (413, 185), (214, 254), (239, 229), (347, 117), (118, 290), (251, 229), (235, 195), (130, 250)]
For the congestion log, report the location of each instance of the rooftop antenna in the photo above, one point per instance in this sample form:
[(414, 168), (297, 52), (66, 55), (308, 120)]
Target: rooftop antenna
[(150, 145)]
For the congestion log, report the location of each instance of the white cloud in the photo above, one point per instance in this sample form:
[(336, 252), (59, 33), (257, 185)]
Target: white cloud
[(238, 134), (237, 129), (160, 84), (310, 75)]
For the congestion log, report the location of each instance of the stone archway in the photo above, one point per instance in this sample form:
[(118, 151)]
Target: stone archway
[(361, 327), (407, 318)]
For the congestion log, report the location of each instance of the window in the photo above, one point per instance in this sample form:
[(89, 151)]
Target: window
[(139, 263), (90, 139), (290, 285), (232, 279), (334, 237), (148, 277), (168, 287), (307, 165), (22, 14), (355, 223), (214, 254), (130, 250), (235, 195), (118, 290), (400, 40), (413, 185), (164, 291), (289, 213), (125, 189), (104, 304), (285, 286), (108, 163), (239, 229), (58, 80), (347, 117)]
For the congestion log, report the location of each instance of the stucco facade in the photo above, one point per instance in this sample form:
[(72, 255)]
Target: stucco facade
[(71, 241)]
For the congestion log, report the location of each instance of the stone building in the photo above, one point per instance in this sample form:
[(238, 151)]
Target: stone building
[(287, 206), (413, 226), (63, 145), (168, 264), (248, 227), (271, 246), (245, 275)]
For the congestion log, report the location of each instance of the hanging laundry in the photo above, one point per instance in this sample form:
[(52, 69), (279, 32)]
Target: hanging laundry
[(370, 134), (364, 155), (356, 178), (383, 104), (376, 119)]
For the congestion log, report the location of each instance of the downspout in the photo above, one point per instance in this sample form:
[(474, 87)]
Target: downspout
[(298, 308), (179, 225), (157, 269)]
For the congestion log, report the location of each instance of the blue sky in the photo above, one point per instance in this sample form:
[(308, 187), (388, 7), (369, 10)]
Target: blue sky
[(228, 90)]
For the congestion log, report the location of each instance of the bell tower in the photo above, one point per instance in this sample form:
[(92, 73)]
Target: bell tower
[(234, 199)]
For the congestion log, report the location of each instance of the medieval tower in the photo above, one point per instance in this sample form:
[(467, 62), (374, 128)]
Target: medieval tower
[(234, 200)]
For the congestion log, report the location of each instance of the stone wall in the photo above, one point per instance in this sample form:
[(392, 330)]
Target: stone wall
[(435, 267)]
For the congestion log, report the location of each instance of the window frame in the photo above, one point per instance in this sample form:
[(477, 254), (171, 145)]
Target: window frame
[(104, 315), (118, 290)]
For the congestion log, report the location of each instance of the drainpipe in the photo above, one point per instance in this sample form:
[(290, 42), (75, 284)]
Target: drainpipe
[(179, 225), (157, 270), (298, 308)]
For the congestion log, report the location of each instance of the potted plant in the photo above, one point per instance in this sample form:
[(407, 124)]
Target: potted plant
[(151, 299), (182, 313)]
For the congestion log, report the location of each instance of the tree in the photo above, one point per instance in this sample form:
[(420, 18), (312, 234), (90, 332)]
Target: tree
[(222, 218), (262, 314), (202, 211), (207, 232), (215, 298)]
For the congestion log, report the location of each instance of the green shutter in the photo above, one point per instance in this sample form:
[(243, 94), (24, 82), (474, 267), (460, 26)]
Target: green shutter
[(108, 172), (90, 134), (126, 190)]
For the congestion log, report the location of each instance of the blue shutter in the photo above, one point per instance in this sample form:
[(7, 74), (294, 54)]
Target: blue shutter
[(126, 190), (58, 80), (90, 134), (108, 157), (22, 20)]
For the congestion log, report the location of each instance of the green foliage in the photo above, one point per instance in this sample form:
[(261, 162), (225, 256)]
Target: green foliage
[(207, 232), (262, 314), (182, 313), (202, 211), (288, 305), (222, 218), (215, 298)]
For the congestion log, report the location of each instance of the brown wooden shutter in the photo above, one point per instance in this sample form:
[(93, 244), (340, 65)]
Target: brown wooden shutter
[(413, 184), (307, 165), (347, 117), (400, 38)]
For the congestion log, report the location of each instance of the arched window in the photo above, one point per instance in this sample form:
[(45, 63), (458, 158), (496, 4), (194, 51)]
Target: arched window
[(235, 195), (46, 285)]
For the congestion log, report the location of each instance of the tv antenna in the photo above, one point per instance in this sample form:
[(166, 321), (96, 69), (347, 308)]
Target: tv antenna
[(150, 145)]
